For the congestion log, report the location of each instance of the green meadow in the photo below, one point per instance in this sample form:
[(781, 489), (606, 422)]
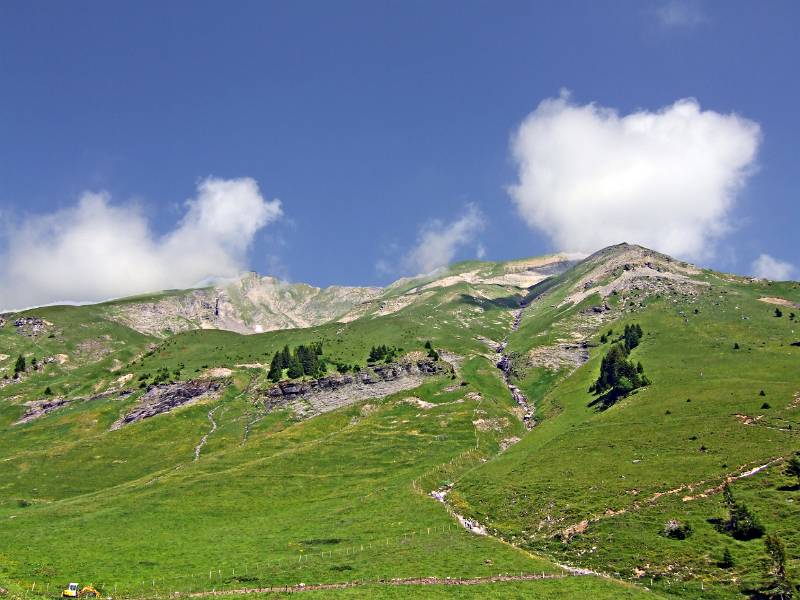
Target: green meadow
[(344, 497)]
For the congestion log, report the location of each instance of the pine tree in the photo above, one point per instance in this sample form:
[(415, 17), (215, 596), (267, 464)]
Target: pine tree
[(741, 524), (19, 366), (777, 552), (778, 312), (793, 468), (286, 357), (295, 368), (308, 360), (373, 355), (276, 368), (632, 335), (727, 559)]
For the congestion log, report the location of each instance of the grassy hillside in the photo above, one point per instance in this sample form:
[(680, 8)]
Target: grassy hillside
[(344, 497), (711, 412)]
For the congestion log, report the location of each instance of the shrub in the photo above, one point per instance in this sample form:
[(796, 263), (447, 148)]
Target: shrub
[(766, 405), (48, 391), (676, 530), (736, 346), (778, 312)]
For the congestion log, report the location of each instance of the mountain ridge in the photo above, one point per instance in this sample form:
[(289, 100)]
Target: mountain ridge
[(500, 458)]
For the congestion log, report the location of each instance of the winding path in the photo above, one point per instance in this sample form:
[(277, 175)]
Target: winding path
[(396, 582)]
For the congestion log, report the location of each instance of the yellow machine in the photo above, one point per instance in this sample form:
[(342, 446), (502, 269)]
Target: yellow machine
[(72, 591)]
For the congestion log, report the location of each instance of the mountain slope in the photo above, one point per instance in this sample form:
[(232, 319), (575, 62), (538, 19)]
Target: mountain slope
[(254, 304), (235, 474)]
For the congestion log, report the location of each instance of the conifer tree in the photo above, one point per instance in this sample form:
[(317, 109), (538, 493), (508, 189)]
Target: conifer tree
[(793, 468), (295, 368), (276, 368), (286, 357)]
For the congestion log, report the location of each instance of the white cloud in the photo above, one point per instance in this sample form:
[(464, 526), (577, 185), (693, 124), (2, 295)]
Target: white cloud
[(767, 267), (589, 177), (679, 13), (96, 250), (438, 242)]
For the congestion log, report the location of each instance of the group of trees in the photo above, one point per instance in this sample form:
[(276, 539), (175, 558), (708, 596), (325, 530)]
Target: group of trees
[(618, 375), (382, 353), (387, 354), (307, 360), (304, 360), (630, 338)]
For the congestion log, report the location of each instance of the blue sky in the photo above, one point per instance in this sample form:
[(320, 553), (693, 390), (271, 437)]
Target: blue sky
[(377, 124)]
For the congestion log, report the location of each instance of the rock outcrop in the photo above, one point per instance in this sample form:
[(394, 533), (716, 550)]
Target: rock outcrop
[(30, 326), (36, 409), (39, 408), (166, 397), (310, 398)]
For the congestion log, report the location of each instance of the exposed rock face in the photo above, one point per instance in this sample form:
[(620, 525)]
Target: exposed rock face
[(619, 269), (252, 304), (166, 397), (322, 395), (30, 326), (39, 408), (563, 355)]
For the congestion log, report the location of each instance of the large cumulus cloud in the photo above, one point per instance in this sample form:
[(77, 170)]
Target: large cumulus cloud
[(667, 179), (96, 250)]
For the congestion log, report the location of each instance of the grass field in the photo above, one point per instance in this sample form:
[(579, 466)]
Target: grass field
[(344, 497)]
